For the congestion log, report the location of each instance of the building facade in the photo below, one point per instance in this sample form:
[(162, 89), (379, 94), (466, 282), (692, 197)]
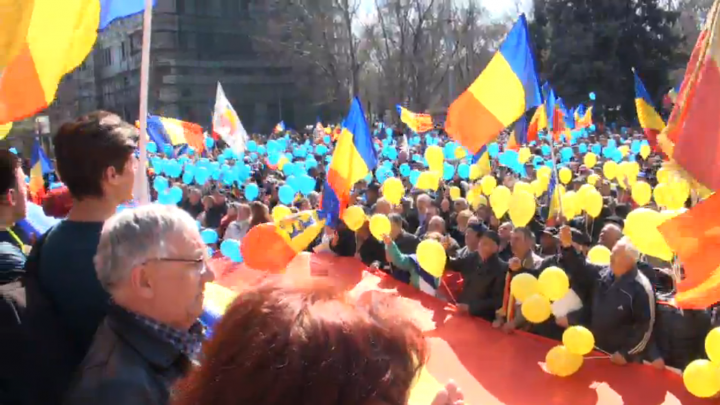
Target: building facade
[(195, 45)]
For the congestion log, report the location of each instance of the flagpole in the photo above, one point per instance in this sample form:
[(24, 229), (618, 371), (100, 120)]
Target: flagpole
[(141, 190)]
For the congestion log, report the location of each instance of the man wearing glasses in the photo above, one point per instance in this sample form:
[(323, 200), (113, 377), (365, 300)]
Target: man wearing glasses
[(152, 261)]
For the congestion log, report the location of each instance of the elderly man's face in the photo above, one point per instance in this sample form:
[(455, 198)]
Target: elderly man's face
[(610, 235), (620, 260), (383, 207), (176, 282), (505, 231), (436, 224)]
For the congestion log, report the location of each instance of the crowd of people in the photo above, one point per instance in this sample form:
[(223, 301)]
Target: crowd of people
[(104, 309)]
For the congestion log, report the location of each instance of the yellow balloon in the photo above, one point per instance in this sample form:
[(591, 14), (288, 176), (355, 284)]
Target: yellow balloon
[(584, 191), (475, 197), (434, 157), (593, 204), (524, 155), (599, 255), (379, 226), (641, 226), (428, 181), (523, 286), (522, 186), (663, 175), (455, 192), (431, 257), (570, 205), (641, 193), (354, 217), (712, 345), (624, 150), (538, 187), (593, 179), (554, 283), (488, 184), (590, 160), (578, 340), (561, 362), (610, 169), (280, 212), (460, 152), (475, 172), (16, 16), (702, 378), (282, 161), (393, 190), (565, 175), (660, 194), (500, 201), (544, 172), (644, 151), (522, 207), (536, 309)]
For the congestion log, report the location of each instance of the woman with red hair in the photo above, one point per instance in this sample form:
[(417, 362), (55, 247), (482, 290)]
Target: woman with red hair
[(306, 342)]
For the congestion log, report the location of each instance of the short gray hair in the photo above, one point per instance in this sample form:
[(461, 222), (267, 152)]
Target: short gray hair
[(629, 248), (134, 236)]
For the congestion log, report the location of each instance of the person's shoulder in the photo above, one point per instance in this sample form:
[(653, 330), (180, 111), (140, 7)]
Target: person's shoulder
[(11, 257)]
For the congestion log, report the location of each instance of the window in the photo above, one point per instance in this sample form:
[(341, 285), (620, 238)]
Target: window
[(105, 57), (180, 6), (124, 50)]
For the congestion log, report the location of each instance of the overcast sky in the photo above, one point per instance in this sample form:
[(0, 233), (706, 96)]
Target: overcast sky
[(496, 7)]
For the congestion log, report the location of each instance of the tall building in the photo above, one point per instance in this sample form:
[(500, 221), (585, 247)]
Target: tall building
[(195, 45)]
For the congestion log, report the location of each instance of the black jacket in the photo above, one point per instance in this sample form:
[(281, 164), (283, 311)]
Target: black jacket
[(127, 364), (622, 309), (483, 288)]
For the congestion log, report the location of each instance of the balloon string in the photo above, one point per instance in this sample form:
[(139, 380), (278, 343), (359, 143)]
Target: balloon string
[(449, 293)]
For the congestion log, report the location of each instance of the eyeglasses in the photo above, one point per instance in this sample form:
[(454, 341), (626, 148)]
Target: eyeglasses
[(200, 261)]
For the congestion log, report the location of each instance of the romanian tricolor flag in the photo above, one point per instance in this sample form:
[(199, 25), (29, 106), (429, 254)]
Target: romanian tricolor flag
[(280, 127), (519, 135), (650, 121), (694, 236), (5, 130), (170, 131), (42, 40), (538, 122), (504, 91), (692, 138), (583, 117), (353, 159), (419, 123), (39, 165), (555, 115), (482, 160)]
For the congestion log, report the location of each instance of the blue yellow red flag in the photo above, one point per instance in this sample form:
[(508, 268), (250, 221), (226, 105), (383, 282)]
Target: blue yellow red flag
[(419, 123), (39, 165), (353, 159), (54, 37), (505, 90)]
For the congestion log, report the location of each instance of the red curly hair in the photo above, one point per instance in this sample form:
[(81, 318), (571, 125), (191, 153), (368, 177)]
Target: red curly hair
[(306, 342)]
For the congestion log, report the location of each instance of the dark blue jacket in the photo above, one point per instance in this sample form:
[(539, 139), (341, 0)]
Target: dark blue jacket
[(622, 309)]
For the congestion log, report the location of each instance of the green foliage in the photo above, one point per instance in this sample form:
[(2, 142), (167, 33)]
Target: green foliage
[(592, 45)]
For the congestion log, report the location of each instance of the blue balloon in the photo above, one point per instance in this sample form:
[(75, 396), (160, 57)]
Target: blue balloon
[(592, 95), (405, 169), (202, 175), (176, 194), (592, 127), (448, 171), (582, 148), (326, 139), (286, 194), (252, 146), (13, 151), (321, 149), (252, 191), (596, 148), (151, 147), (493, 149), (414, 176), (209, 142), (187, 178), (261, 150), (463, 170), (635, 146), (306, 184), (229, 247), (168, 150), (273, 158), (160, 184), (293, 181), (209, 236), (289, 169), (310, 163), (545, 149), (449, 150)]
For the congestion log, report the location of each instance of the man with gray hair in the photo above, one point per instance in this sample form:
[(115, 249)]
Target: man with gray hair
[(622, 307), (152, 262)]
